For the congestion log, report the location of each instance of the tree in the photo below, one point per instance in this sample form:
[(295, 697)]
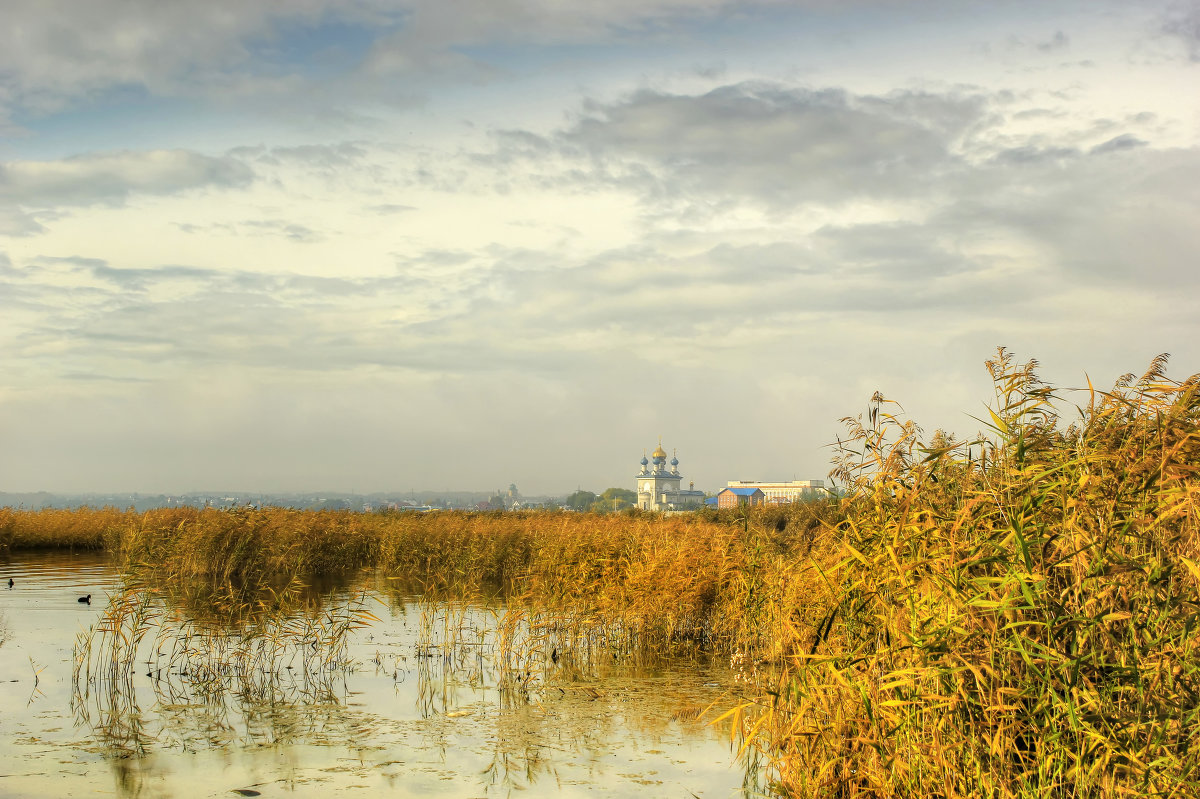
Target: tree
[(615, 499), (623, 494), (581, 500)]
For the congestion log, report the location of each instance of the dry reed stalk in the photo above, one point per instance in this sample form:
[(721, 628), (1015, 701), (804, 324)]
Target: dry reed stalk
[(269, 651), (1021, 623)]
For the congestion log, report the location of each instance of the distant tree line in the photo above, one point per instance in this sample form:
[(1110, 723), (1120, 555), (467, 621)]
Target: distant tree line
[(613, 499)]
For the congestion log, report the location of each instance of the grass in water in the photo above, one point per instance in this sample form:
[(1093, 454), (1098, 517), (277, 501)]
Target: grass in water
[(1009, 616), (274, 651)]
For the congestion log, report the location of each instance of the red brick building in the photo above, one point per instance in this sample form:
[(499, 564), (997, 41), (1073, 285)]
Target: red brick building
[(732, 497)]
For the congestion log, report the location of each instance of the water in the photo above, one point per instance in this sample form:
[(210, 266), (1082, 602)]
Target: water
[(414, 706)]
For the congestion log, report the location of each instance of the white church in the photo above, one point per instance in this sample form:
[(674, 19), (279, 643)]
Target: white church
[(658, 485)]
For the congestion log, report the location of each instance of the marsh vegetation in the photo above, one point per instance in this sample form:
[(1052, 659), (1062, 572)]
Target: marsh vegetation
[(1011, 615), (290, 693)]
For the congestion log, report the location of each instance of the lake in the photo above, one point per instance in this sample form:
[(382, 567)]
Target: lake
[(415, 703)]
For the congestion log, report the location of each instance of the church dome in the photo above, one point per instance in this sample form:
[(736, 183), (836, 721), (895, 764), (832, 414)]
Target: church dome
[(659, 454)]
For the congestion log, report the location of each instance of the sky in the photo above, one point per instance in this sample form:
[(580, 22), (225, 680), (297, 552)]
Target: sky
[(393, 245)]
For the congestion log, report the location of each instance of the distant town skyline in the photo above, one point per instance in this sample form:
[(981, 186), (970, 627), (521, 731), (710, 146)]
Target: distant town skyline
[(380, 245)]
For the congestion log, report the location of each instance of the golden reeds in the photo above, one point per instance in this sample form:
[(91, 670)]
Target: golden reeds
[(55, 528), (269, 653), (1014, 615), (1011, 616)]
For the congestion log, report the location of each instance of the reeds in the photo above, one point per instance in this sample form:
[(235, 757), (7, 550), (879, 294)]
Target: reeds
[(1013, 615), (265, 654), (54, 528)]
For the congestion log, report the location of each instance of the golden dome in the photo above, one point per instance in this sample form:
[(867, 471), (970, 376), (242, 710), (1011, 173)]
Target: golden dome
[(659, 452)]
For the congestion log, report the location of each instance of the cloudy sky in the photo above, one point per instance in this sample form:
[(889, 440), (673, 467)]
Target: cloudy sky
[(396, 244)]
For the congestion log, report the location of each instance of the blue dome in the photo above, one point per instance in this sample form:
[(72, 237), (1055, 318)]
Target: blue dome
[(674, 461), (644, 461)]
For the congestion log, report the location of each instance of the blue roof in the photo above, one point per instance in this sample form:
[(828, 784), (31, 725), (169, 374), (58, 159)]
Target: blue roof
[(710, 501), (744, 492)]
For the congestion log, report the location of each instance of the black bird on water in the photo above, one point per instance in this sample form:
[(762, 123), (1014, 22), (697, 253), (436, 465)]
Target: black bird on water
[(10, 582), (87, 600)]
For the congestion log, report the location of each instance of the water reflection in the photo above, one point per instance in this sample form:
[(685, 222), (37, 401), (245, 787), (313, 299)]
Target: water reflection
[(249, 670), (181, 695)]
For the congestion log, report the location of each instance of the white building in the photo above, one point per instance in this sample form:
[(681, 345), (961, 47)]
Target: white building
[(658, 486), (783, 493)]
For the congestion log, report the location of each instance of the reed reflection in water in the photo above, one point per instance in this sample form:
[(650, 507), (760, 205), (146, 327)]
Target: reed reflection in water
[(183, 692)]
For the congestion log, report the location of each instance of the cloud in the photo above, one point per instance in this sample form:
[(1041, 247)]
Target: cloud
[(324, 158), (88, 377), (939, 185), (961, 214), (779, 249), (111, 177), (99, 274), (765, 141), (446, 38), (15, 222), (54, 52), (1027, 154), (388, 209), (92, 317), (291, 231), (1059, 41), (1126, 141), (712, 298), (1115, 216), (1184, 24), (1055, 43), (304, 55)]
